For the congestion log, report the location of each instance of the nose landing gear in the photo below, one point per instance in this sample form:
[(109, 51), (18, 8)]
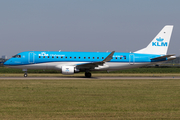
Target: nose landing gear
[(25, 72)]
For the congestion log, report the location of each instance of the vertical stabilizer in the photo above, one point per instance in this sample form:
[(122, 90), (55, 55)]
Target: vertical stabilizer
[(160, 44)]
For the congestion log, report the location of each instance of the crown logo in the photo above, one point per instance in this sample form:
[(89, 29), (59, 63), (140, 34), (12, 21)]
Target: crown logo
[(159, 39), (43, 54)]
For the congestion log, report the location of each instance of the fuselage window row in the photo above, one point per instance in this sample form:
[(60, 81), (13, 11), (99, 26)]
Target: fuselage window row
[(84, 57)]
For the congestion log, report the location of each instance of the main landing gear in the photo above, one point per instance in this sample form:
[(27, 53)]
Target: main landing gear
[(88, 74)]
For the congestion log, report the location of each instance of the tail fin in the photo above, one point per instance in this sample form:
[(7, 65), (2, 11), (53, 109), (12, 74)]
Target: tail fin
[(160, 44)]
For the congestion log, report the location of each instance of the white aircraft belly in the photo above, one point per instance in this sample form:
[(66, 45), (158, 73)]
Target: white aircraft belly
[(48, 65), (120, 66), (107, 65)]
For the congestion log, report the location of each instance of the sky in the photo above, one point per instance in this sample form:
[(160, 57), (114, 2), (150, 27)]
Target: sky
[(85, 25)]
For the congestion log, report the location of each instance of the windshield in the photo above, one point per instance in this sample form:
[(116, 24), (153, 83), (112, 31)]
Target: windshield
[(16, 56)]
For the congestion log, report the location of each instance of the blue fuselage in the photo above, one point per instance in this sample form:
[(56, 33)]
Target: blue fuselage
[(50, 60)]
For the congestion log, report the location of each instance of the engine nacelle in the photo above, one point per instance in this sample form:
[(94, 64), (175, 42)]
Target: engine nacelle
[(69, 70)]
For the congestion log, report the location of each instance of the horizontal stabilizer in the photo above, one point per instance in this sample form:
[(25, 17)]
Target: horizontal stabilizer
[(165, 56)]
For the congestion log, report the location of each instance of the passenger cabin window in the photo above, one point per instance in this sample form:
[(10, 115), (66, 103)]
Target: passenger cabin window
[(43, 56), (93, 57), (61, 57), (79, 57), (74, 57), (48, 56), (65, 57), (52, 56), (102, 57), (70, 57), (88, 57), (84, 57), (97, 57), (57, 57), (39, 56)]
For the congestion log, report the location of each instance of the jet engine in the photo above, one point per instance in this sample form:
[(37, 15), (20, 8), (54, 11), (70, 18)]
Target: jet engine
[(69, 70)]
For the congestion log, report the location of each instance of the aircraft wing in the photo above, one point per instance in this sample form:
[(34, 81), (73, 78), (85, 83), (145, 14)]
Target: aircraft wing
[(92, 65)]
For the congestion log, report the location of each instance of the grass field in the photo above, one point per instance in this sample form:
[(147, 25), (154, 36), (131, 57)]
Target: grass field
[(89, 99), (93, 75), (153, 70)]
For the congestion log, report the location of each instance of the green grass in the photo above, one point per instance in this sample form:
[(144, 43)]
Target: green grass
[(89, 99), (134, 70), (93, 75)]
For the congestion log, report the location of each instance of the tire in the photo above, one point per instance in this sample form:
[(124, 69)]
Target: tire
[(88, 74), (25, 75)]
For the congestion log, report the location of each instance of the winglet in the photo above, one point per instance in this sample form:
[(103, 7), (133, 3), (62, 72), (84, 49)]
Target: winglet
[(109, 57)]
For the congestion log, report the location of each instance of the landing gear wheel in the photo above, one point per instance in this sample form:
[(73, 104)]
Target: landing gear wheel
[(25, 75), (88, 74)]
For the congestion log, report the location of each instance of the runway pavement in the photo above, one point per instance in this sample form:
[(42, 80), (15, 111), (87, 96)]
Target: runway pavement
[(59, 78)]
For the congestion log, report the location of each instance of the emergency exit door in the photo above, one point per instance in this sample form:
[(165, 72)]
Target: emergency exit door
[(131, 59), (31, 57)]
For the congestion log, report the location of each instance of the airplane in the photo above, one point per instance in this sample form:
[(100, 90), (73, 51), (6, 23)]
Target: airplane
[(73, 62)]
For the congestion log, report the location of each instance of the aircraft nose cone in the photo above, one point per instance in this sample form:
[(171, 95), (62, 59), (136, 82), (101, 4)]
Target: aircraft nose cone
[(6, 63)]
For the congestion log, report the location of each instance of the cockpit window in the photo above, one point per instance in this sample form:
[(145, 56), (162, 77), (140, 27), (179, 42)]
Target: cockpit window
[(16, 56)]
